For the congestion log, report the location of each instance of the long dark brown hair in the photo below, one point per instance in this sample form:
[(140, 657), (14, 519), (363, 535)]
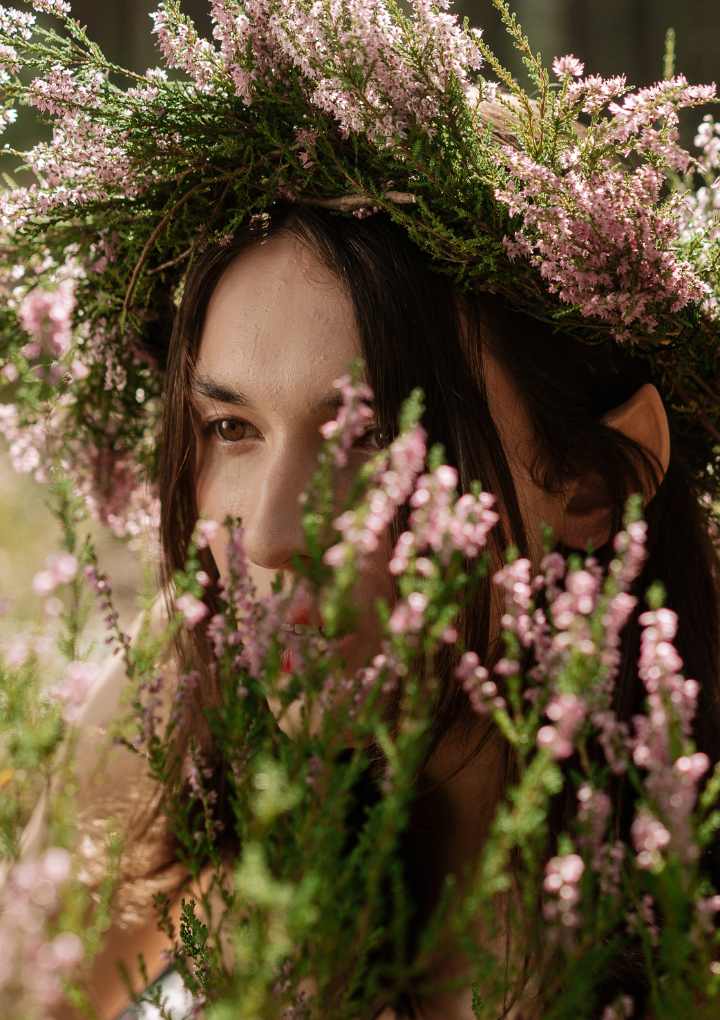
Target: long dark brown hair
[(416, 330)]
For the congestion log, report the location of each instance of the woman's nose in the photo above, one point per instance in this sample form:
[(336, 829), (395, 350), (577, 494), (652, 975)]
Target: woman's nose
[(273, 519)]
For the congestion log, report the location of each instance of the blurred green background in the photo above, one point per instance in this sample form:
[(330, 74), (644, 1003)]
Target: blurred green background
[(611, 36)]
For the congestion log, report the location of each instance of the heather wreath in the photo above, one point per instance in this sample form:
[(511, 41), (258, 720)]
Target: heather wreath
[(573, 198)]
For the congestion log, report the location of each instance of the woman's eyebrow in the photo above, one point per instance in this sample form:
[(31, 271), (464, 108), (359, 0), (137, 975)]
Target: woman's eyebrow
[(204, 386)]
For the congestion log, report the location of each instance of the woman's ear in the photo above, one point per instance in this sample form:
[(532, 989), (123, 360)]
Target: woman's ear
[(587, 514)]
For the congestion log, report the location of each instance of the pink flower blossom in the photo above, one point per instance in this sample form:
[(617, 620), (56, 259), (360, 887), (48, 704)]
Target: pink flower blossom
[(605, 244), (192, 609), (649, 837), (481, 691), (562, 881), (352, 418), (60, 569), (16, 24), (621, 1009), (567, 67), (567, 712), (33, 959), (60, 8), (205, 532), (47, 317), (73, 691), (182, 47)]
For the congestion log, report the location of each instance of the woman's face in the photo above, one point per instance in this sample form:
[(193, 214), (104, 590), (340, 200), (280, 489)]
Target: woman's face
[(279, 330)]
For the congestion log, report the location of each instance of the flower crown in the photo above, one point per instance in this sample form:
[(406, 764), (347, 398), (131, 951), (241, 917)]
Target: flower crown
[(574, 201)]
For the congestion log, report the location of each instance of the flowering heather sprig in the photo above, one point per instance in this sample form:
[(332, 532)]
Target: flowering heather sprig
[(60, 568), (370, 45), (671, 779), (47, 317), (16, 24), (73, 690), (100, 584), (594, 93), (562, 884), (60, 8), (481, 691), (361, 529), (254, 622), (605, 246), (352, 418), (445, 524), (33, 960), (632, 126), (568, 67), (181, 46)]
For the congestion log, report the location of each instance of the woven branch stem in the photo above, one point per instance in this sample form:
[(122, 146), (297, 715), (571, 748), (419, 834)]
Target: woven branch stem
[(349, 202)]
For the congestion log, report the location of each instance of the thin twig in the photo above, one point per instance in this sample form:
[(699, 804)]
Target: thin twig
[(348, 202), (149, 244)]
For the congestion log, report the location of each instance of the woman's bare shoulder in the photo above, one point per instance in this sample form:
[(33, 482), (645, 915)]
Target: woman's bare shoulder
[(112, 781)]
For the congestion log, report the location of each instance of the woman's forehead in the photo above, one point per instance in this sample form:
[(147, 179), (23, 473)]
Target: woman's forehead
[(278, 317)]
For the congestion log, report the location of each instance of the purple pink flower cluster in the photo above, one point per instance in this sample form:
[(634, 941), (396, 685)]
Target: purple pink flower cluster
[(605, 245), (336, 46), (33, 961)]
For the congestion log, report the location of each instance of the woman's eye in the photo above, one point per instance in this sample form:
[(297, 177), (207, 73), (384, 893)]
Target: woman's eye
[(372, 437), (228, 430)]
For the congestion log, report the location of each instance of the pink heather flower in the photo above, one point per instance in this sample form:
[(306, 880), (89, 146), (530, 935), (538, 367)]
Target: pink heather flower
[(43, 583), (567, 67), (15, 23), (323, 43), (621, 1009), (9, 63), (182, 47), (408, 615), (594, 809), (72, 692), (17, 651), (192, 609), (60, 568), (633, 122), (562, 880), (33, 961), (361, 528), (671, 699), (61, 93), (567, 712), (707, 138), (605, 244), (205, 532), (256, 621), (64, 566), (649, 837), (352, 418), (482, 692), (47, 317), (60, 8), (594, 93), (445, 524)]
